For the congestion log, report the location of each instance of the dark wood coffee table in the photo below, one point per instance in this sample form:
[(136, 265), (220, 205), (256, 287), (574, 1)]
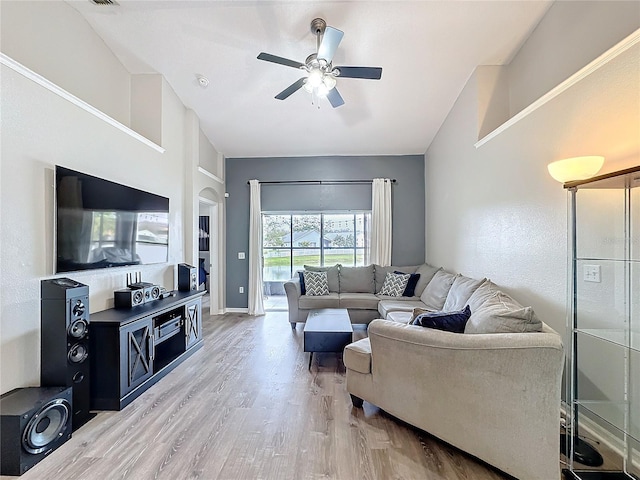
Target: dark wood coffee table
[(327, 330)]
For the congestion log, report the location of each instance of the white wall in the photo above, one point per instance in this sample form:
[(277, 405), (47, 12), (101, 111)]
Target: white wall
[(494, 211), (41, 130), (52, 39)]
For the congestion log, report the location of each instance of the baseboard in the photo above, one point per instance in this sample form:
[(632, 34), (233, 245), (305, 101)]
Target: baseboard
[(591, 429), (236, 310)]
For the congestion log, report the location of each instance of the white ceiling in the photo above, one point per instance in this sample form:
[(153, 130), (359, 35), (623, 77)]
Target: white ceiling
[(427, 49)]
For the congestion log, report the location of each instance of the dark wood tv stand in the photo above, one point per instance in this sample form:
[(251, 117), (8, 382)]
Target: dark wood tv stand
[(131, 349)]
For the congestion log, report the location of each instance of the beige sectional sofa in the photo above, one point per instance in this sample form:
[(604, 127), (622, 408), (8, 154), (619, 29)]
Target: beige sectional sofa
[(492, 391), (354, 288)]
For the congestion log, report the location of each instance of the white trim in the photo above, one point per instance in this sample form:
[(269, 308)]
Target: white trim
[(210, 175), (236, 310), (52, 87), (584, 72)]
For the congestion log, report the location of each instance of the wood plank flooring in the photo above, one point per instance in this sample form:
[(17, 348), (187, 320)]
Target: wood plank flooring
[(246, 407)]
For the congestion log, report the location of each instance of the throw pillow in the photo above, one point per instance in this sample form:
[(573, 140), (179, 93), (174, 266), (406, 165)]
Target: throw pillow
[(447, 321), (410, 289), (394, 284), (502, 314), (303, 288), (418, 311), (460, 292), (436, 291), (333, 275), (316, 283)]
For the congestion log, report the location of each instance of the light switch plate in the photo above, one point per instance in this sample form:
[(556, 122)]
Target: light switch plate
[(241, 256), (591, 273)]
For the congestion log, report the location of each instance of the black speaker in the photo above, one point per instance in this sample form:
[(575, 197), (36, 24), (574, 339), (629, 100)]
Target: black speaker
[(128, 297), (64, 319), (151, 293), (187, 277), (34, 422)]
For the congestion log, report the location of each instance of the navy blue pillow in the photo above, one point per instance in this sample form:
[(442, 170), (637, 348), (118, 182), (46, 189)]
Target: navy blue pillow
[(303, 287), (448, 321), (410, 289)]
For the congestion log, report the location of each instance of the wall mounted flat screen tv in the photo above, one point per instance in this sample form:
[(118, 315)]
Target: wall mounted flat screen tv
[(102, 224)]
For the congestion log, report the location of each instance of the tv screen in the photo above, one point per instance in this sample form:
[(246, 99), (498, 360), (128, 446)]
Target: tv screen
[(102, 224)]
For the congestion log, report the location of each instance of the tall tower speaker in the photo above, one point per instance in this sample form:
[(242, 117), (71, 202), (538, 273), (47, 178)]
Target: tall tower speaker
[(34, 421), (187, 277), (64, 359)]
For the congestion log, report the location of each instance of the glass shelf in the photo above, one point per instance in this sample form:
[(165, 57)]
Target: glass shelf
[(604, 320), (619, 336)]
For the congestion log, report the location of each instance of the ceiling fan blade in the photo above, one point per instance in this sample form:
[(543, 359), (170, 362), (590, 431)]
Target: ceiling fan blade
[(330, 41), (291, 88), (267, 57), (370, 73), (335, 98)]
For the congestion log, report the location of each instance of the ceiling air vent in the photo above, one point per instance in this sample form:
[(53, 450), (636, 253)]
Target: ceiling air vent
[(104, 2)]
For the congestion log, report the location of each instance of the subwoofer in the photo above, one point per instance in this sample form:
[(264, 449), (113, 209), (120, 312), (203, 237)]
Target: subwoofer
[(64, 319), (34, 422), (187, 277)]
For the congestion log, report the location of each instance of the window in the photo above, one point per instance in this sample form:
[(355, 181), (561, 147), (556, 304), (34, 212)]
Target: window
[(291, 241)]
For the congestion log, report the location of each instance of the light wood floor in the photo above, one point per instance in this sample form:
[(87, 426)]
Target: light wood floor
[(246, 407)]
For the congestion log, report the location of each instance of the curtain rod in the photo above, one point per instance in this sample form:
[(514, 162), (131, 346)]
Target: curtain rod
[(317, 182)]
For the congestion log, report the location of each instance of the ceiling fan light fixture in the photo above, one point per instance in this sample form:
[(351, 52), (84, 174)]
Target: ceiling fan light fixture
[(322, 90), (315, 77), (307, 86), (329, 81)]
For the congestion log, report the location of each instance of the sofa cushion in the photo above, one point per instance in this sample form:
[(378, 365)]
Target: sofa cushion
[(380, 273), (447, 321), (410, 289), (359, 301), (394, 284), (426, 272), (486, 290), (333, 275), (386, 306), (316, 283), (435, 293), (357, 279), (307, 302), (462, 288), (502, 314), (357, 356), (400, 317)]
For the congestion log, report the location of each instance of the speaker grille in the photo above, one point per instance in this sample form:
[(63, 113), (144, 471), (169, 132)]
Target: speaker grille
[(46, 426)]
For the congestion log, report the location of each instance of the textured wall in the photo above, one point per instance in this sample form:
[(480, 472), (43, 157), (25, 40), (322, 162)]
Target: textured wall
[(40, 130)]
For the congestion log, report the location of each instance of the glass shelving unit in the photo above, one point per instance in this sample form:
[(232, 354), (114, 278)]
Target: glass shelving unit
[(604, 328)]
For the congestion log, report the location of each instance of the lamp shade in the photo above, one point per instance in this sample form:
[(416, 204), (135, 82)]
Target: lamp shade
[(576, 168)]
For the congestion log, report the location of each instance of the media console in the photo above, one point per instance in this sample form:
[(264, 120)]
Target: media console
[(133, 348)]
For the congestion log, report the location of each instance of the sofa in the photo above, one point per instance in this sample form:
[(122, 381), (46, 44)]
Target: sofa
[(355, 288), (493, 390)]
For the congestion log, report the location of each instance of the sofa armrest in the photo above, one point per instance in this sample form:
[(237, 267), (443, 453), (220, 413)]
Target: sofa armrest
[(294, 292), (478, 392)]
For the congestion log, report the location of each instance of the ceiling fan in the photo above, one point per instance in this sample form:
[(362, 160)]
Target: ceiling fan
[(321, 76)]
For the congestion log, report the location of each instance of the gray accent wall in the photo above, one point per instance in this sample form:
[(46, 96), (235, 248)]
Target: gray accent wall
[(407, 199)]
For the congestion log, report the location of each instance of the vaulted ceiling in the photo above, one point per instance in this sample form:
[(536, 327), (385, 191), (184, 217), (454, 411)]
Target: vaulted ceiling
[(427, 49)]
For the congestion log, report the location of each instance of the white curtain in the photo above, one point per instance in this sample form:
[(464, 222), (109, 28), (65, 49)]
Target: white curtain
[(381, 222), (256, 302)]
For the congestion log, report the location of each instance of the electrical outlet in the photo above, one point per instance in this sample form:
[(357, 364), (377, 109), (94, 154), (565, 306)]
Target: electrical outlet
[(241, 290), (241, 256), (591, 273)]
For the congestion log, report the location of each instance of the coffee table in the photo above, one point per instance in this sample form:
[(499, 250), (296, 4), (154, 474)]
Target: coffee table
[(327, 330)]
